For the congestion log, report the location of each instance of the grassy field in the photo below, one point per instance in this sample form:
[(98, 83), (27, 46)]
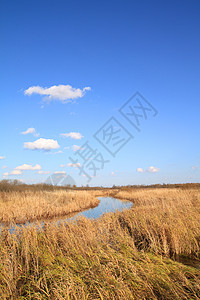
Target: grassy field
[(151, 251)]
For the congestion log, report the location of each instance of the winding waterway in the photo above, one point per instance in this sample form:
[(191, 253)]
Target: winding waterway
[(106, 205)]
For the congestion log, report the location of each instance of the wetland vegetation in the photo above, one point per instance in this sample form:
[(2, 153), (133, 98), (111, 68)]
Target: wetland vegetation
[(150, 251)]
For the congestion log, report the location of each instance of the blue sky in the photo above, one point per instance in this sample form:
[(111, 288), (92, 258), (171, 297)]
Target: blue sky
[(68, 66)]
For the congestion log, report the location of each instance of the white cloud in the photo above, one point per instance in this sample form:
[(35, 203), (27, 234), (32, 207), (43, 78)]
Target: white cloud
[(153, 169), (72, 135), (42, 144), (76, 148), (4, 167), (43, 172), (60, 172), (140, 170), (63, 93), (54, 153), (28, 167), (30, 130), (74, 165), (2, 157), (195, 167), (62, 166), (149, 169), (16, 172)]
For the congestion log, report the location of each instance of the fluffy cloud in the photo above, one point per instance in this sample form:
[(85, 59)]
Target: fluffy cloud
[(63, 93), (140, 170), (30, 130), (72, 135), (60, 172), (42, 144), (74, 165), (18, 170), (43, 172), (14, 172), (28, 167), (150, 170), (153, 169), (2, 157)]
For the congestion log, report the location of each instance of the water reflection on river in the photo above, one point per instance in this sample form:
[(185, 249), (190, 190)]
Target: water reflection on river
[(106, 205)]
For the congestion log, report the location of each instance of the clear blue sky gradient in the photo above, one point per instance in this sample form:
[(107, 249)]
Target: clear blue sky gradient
[(116, 48)]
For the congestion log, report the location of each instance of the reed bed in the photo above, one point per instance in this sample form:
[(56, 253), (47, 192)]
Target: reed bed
[(20, 207), (90, 260), (166, 221), (124, 255)]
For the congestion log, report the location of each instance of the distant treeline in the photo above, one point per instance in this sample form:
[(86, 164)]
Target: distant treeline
[(15, 185), (161, 186)]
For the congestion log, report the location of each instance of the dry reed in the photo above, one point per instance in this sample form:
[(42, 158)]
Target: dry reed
[(20, 207), (125, 255)]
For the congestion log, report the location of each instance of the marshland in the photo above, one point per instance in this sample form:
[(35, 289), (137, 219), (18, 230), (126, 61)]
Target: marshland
[(149, 251)]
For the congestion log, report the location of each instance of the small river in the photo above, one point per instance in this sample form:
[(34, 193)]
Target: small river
[(106, 205)]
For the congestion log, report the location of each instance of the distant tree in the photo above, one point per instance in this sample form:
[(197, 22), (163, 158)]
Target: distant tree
[(16, 182)]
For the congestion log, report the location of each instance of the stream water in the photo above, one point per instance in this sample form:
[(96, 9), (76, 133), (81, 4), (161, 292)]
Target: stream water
[(106, 205)]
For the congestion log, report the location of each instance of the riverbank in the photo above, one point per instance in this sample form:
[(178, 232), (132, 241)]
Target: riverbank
[(165, 221), (123, 255), (28, 206)]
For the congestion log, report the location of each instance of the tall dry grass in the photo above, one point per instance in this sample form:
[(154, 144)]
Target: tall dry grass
[(20, 207), (166, 221), (90, 260), (123, 255)]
